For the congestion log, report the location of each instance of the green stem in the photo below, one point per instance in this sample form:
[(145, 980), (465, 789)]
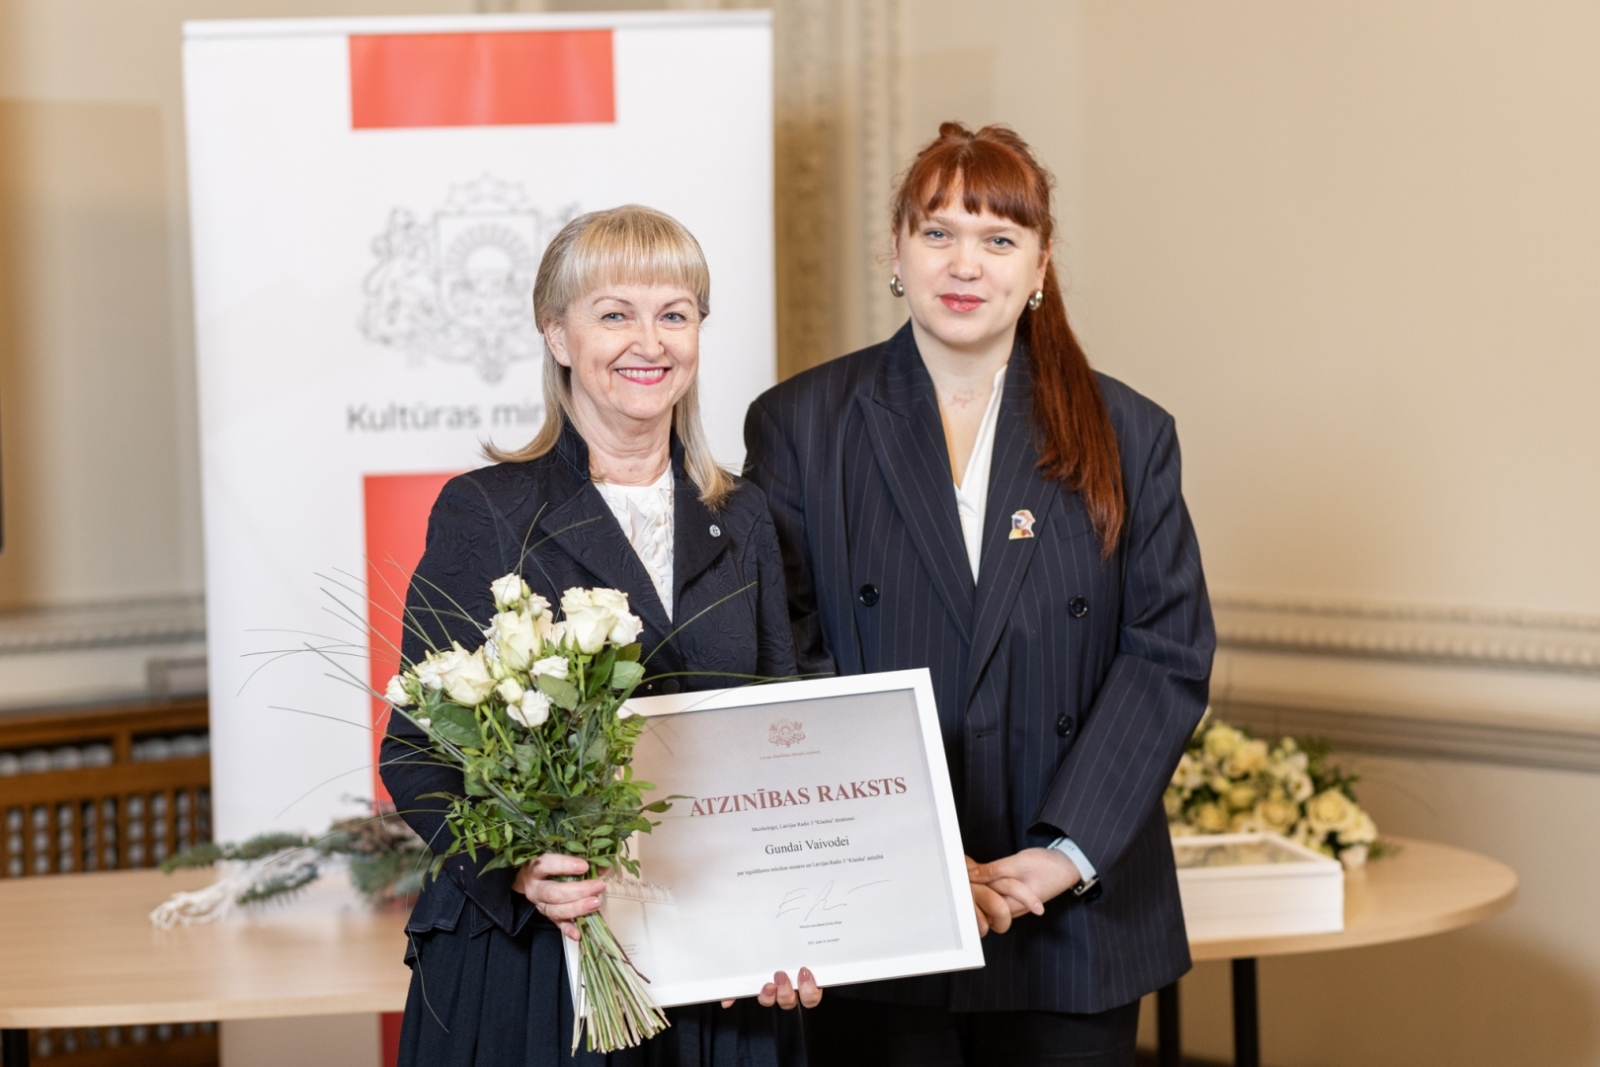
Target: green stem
[(620, 1011)]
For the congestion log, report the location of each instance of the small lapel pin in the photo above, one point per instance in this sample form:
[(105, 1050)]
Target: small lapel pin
[(1021, 524)]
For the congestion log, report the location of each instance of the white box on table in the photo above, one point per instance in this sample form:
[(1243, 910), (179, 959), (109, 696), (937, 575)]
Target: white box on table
[(1256, 885)]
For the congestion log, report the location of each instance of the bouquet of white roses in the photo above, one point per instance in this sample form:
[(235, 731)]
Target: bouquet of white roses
[(534, 720), (1230, 782)]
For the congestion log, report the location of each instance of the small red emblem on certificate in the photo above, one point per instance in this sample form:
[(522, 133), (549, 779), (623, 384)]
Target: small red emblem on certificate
[(785, 733)]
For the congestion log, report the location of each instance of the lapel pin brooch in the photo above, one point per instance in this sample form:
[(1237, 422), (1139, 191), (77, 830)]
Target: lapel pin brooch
[(1021, 524)]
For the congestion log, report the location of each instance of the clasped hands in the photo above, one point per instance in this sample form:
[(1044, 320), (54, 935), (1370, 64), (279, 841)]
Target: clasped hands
[(563, 903), (1018, 884)]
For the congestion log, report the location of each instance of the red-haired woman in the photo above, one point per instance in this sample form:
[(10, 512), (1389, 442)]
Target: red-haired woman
[(970, 497)]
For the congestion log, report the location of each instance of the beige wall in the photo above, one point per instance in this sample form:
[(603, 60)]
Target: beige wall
[(1354, 248), (97, 405)]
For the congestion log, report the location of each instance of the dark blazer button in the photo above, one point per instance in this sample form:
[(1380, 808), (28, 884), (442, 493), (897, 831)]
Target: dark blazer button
[(669, 685), (1065, 725), (1078, 607), (869, 595)]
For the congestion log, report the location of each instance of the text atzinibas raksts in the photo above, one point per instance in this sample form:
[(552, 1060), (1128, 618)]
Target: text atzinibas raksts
[(763, 799)]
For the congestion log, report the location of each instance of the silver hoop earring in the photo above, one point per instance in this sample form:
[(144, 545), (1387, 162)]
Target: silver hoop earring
[(896, 286), (1035, 300)]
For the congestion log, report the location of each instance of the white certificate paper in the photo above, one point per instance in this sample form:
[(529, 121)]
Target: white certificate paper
[(816, 828)]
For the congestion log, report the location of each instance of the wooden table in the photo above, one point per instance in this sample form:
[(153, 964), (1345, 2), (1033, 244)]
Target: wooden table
[(1424, 889), (79, 950)]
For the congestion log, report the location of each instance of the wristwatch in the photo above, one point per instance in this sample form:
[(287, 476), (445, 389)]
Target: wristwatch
[(1087, 878)]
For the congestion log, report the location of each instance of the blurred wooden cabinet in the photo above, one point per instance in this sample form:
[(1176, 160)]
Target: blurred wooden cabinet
[(107, 788)]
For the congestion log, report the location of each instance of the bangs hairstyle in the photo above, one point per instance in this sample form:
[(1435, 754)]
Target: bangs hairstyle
[(628, 245), (995, 171)]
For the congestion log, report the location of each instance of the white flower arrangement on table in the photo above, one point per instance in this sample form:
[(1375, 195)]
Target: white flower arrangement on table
[(534, 720), (1229, 782)]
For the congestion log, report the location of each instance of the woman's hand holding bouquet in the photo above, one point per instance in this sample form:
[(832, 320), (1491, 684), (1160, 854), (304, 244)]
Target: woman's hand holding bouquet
[(534, 720)]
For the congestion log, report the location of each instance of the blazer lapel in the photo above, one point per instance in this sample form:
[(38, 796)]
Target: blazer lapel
[(1015, 486), (697, 540), (902, 419)]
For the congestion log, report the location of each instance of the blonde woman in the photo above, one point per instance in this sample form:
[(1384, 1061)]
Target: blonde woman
[(618, 489)]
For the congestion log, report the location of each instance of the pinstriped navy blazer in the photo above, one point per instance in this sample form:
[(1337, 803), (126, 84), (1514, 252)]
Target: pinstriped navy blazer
[(1067, 685)]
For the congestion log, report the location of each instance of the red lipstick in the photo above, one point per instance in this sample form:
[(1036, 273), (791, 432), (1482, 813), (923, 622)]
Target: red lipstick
[(961, 302)]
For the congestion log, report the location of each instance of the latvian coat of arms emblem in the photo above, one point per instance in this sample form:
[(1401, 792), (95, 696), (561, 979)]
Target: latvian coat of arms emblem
[(459, 287)]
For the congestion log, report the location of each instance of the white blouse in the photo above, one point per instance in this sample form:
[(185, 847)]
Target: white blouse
[(645, 514), (972, 495)]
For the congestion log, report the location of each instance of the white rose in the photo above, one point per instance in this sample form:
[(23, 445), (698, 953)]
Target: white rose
[(576, 599), (395, 693), (1299, 787), (509, 691), (1288, 761), (532, 710), (1181, 829), (1247, 759), (549, 667), (1173, 802), (1241, 797), (591, 614), (1353, 857), (509, 592), (429, 670), (588, 629), (626, 630), (1330, 810), (1360, 831), (1190, 774), (1210, 819), (1221, 740), (515, 636), (466, 677), (627, 627), (1277, 813), (613, 600)]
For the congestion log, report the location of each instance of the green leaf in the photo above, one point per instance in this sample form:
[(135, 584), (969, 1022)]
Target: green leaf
[(625, 674), (456, 724), (630, 653), (596, 752), (525, 756), (601, 669), (560, 691)]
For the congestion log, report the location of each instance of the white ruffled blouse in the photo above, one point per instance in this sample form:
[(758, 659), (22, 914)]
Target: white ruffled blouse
[(645, 514)]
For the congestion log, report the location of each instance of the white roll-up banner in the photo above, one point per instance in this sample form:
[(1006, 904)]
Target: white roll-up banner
[(370, 199)]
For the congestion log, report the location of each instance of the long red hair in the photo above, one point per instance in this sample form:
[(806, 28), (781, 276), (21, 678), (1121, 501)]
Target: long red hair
[(996, 171)]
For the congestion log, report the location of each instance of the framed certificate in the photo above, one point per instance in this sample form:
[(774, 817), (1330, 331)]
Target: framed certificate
[(814, 826)]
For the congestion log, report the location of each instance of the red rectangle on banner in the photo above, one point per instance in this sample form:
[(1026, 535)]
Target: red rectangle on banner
[(396, 509), (481, 79)]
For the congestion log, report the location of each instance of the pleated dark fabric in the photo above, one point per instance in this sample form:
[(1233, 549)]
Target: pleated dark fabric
[(488, 986), (1067, 683)]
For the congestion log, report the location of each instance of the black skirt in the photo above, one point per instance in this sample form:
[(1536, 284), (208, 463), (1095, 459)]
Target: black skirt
[(492, 999)]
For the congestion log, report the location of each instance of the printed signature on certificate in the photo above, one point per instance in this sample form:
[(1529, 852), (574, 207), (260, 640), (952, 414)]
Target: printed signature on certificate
[(808, 904)]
